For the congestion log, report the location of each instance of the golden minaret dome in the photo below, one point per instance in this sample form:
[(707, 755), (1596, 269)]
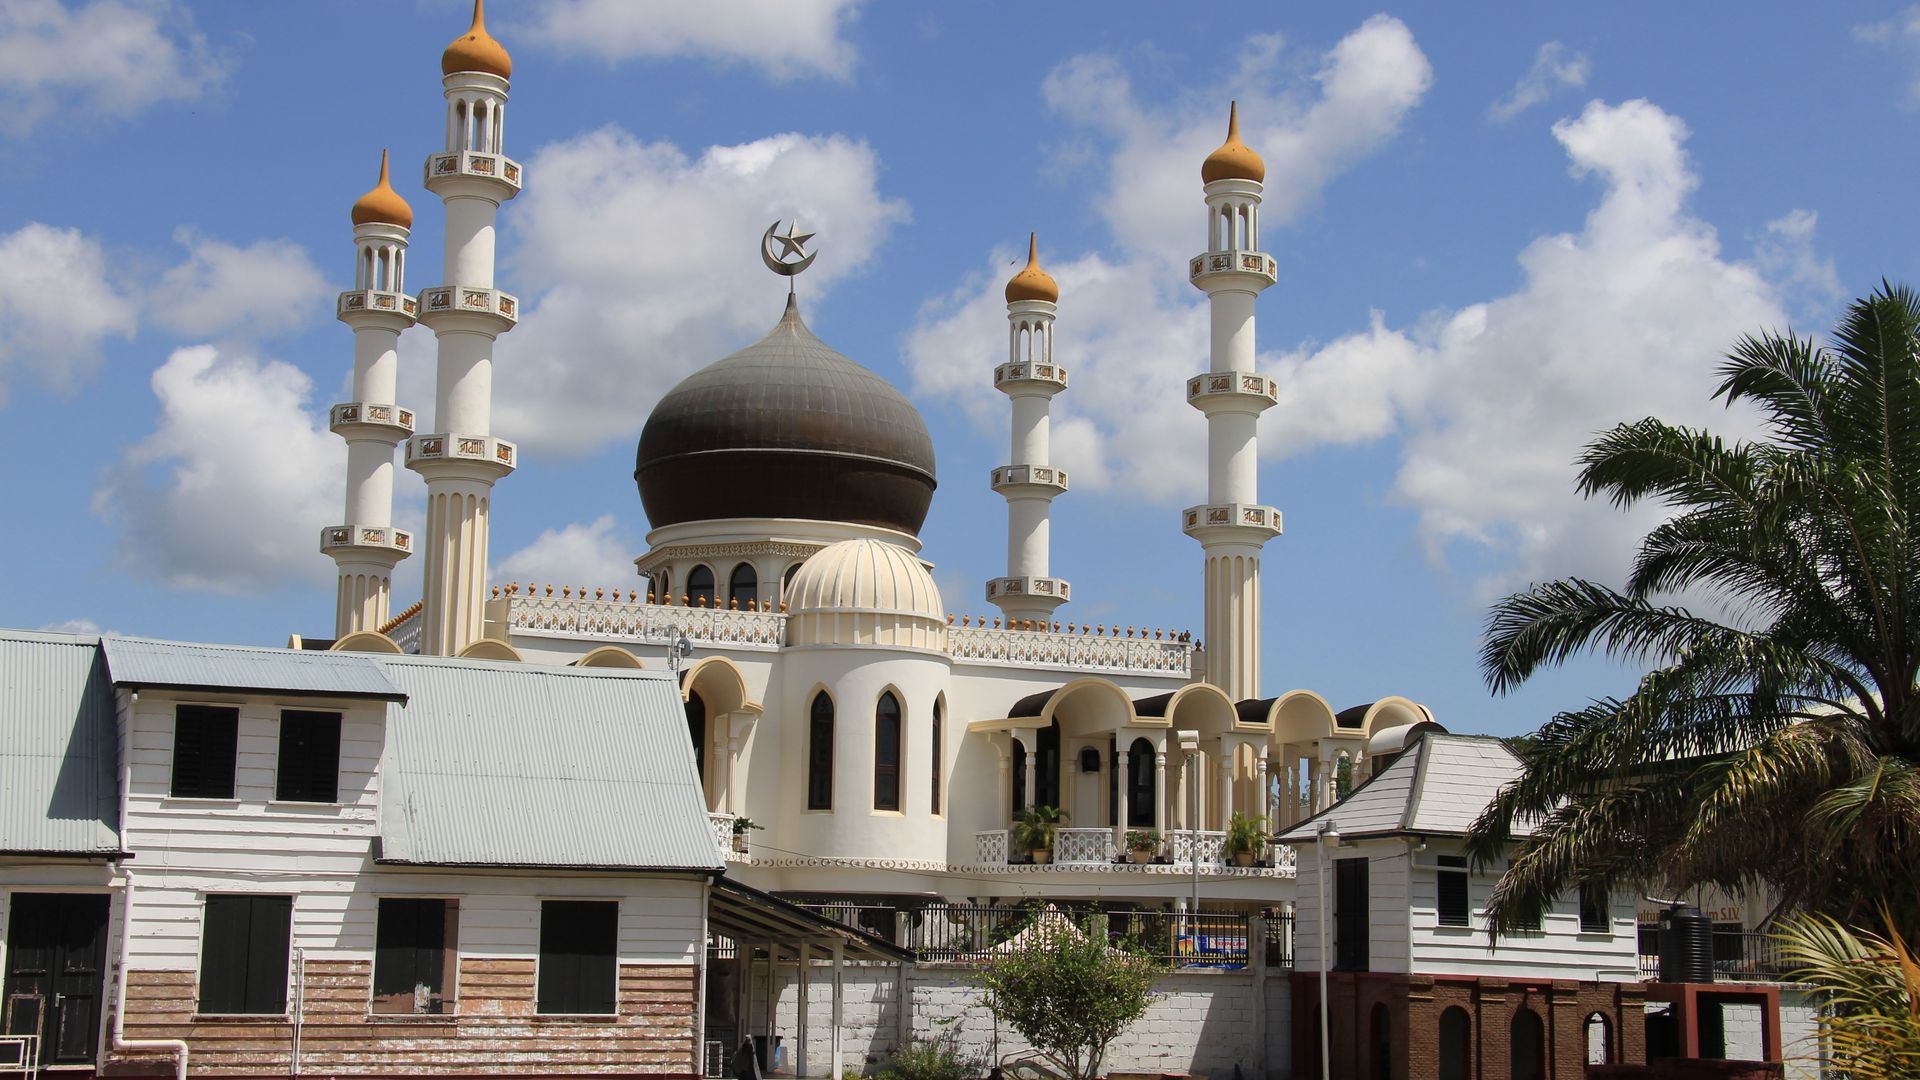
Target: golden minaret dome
[(383, 204), (476, 50), (1234, 160), (1033, 283)]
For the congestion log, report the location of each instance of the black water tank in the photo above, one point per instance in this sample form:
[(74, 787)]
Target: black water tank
[(1686, 945)]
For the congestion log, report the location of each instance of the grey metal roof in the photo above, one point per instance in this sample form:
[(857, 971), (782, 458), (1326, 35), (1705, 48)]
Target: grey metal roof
[(1436, 787), (143, 663), (58, 749), (503, 764)]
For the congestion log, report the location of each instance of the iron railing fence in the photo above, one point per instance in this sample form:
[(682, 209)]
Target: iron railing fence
[(1738, 956)]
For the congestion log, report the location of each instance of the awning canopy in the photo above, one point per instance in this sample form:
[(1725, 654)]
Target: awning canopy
[(751, 917)]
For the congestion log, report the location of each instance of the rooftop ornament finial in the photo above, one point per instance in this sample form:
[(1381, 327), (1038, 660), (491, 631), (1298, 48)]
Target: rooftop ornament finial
[(792, 247)]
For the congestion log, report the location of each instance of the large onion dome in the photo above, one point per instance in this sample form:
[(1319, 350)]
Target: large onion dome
[(383, 205), (476, 50), (786, 428), (1032, 282), (1234, 160)]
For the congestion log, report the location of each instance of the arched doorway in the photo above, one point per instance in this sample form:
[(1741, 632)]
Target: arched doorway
[(1456, 1044), (1526, 1047), (1380, 1042), (697, 731)]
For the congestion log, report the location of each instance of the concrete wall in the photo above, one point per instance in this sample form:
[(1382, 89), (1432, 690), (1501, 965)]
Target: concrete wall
[(1202, 1023)]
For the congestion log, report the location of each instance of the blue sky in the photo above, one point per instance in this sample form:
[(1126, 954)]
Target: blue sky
[(1499, 229)]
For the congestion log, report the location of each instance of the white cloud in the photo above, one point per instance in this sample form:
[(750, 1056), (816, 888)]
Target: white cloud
[(231, 489), (1554, 68), (253, 292), (641, 264), (1787, 257), (1124, 315), (57, 306), (1902, 35), (105, 58), (785, 39), (593, 554), (83, 627)]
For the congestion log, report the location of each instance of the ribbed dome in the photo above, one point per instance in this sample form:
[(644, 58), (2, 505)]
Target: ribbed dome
[(383, 204), (1033, 283), (1234, 160), (476, 50), (864, 592), (786, 428)]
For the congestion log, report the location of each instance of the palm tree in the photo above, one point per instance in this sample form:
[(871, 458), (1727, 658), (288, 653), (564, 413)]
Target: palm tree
[(1776, 746), (1870, 1022)]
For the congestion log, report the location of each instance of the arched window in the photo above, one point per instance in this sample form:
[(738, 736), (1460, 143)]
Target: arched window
[(1380, 1042), (700, 586), (697, 731), (786, 582), (1456, 1044), (1599, 1040), (743, 587), (886, 753), (1140, 786), (820, 753), (1526, 1047), (939, 750)]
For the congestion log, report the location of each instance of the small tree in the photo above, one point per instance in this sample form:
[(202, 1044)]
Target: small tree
[(1870, 1028), (1068, 990)]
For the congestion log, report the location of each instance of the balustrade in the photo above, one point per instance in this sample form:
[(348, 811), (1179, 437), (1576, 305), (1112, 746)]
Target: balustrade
[(1083, 846)]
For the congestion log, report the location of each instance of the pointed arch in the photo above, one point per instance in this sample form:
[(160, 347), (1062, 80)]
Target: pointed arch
[(889, 749), (937, 747), (820, 723)]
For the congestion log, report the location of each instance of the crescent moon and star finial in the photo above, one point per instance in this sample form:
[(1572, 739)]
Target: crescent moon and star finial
[(792, 243)]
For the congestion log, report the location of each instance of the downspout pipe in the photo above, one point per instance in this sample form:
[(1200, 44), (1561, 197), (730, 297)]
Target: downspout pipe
[(122, 1044)]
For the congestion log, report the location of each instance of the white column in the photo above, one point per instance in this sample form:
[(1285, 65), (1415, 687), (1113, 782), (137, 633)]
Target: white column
[(1120, 784), (1223, 770), (1160, 790), (1265, 787), (839, 1058), (1004, 745), (1033, 793), (800, 1035)]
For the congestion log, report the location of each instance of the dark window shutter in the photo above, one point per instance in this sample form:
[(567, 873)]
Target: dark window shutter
[(243, 954), (309, 757), (939, 747), (579, 969), (1351, 927), (204, 737), (820, 754), (886, 754), (409, 948), (1455, 908), (269, 936)]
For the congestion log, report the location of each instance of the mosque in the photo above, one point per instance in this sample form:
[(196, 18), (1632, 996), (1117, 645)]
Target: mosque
[(861, 741)]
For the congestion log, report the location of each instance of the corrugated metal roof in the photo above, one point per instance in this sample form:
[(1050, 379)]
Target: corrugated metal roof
[(501, 764), (59, 757), (143, 663), (1437, 787)]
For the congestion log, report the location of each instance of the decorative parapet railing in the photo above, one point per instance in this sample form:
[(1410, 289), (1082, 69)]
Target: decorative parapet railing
[(990, 847), (1083, 846), (1212, 845), (1080, 652), (633, 620)]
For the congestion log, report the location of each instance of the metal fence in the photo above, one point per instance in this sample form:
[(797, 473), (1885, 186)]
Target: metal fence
[(1738, 956)]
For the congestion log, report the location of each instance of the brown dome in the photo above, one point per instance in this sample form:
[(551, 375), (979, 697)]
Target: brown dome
[(476, 50), (1234, 160), (1033, 283), (786, 428), (383, 204)]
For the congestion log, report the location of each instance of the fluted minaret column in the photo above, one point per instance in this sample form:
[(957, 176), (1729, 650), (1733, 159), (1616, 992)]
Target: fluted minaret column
[(462, 458), (367, 547), (1232, 525), (1030, 378)]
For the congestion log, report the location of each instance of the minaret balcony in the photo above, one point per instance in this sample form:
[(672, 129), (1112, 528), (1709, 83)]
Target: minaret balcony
[(1029, 481), (367, 419), (483, 454), (394, 543), (1249, 270), (1030, 377), (448, 170), (447, 304), (1043, 589), (1249, 523), (1232, 392), (351, 306)]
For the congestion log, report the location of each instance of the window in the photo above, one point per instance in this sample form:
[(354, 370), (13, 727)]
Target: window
[(700, 587), (1140, 786), (820, 753), (1046, 774), (743, 588), (243, 954), (1089, 760), (939, 748), (1456, 1044), (697, 732), (1526, 1047), (1451, 889), (579, 972), (414, 954), (1594, 915), (1350, 915), (1599, 1040), (309, 757), (886, 753), (204, 737)]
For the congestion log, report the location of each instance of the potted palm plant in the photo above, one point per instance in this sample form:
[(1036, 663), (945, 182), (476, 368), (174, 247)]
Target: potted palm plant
[(1246, 839), (1141, 844), (741, 826), (1033, 831)]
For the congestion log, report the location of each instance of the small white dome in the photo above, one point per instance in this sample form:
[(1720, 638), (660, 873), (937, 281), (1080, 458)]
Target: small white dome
[(865, 592)]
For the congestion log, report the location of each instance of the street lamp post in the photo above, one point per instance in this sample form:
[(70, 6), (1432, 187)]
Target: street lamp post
[(1190, 746)]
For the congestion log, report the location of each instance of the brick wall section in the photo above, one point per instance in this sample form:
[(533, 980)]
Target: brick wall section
[(494, 1031), (1414, 1003)]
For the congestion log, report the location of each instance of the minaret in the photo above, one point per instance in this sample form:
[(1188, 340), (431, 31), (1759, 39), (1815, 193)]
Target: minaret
[(368, 547), (462, 458), (1232, 525), (1030, 378)]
